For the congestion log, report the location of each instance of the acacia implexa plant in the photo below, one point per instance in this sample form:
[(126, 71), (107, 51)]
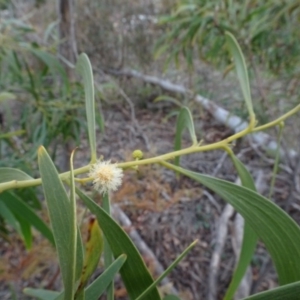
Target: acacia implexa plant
[(263, 219)]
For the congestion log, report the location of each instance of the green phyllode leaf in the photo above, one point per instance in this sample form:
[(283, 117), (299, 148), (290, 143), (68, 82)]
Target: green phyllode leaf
[(6, 214), (286, 292), (97, 288), (92, 292), (93, 251), (171, 297), (249, 236), (79, 255), (61, 213), (76, 255), (241, 70), (167, 271), (41, 294), (21, 208), (9, 174), (184, 120), (168, 99), (84, 68), (135, 274), (54, 65), (108, 255), (7, 96), (26, 231), (276, 228)]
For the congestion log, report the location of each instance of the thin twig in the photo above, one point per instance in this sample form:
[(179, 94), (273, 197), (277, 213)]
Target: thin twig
[(220, 164), (212, 200), (216, 255), (237, 238)]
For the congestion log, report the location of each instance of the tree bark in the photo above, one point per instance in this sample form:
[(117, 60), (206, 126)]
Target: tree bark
[(66, 15), (67, 53)]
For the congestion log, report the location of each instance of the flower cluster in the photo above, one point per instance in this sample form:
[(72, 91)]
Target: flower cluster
[(106, 176)]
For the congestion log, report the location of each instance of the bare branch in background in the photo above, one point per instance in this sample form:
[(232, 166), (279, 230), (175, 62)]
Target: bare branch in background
[(220, 114), (222, 230)]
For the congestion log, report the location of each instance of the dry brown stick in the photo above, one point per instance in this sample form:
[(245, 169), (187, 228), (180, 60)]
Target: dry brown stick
[(212, 200), (220, 114), (119, 215), (270, 161), (246, 283), (222, 230)]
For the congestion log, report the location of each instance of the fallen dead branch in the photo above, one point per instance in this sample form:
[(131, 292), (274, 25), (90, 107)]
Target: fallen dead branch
[(237, 238), (222, 230), (235, 123)]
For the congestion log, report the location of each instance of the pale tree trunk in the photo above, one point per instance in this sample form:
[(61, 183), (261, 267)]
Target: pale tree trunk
[(67, 52), (66, 15)]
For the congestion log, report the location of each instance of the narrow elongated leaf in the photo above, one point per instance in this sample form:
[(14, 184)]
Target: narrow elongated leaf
[(167, 271), (41, 294), (79, 255), (184, 120), (168, 99), (6, 96), (9, 217), (53, 64), (29, 195), (93, 250), (108, 255), (26, 231), (73, 238), (12, 134), (92, 292), (84, 68), (241, 70), (286, 292), (276, 228), (9, 174), (61, 217), (249, 236), (135, 274), (171, 297), (19, 207), (97, 288), (277, 160)]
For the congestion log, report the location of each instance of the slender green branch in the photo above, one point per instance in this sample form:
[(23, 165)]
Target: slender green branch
[(277, 121), (277, 157), (14, 184), (192, 149)]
